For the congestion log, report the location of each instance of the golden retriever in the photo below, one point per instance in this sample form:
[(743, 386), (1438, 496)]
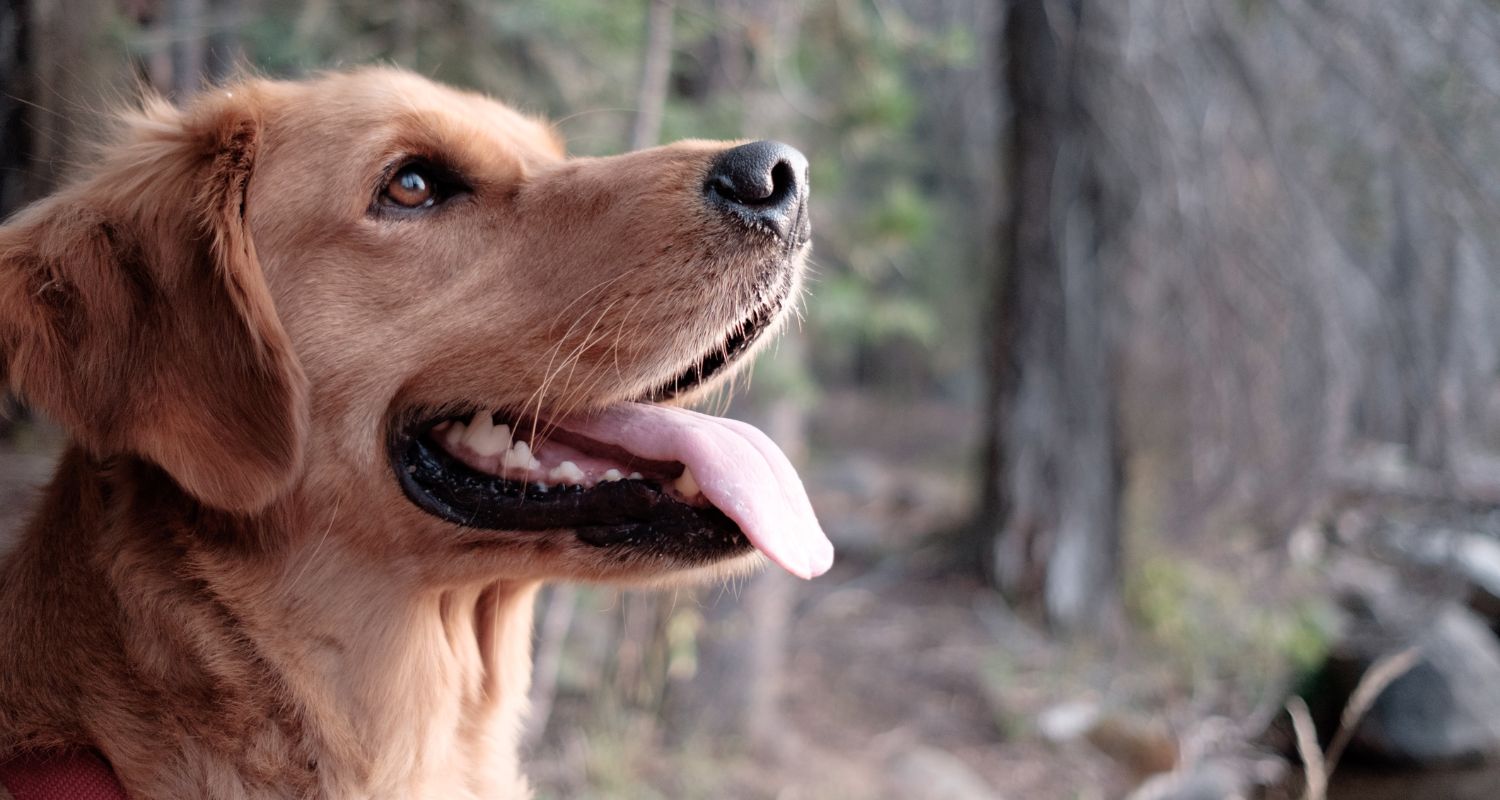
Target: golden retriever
[(349, 366)]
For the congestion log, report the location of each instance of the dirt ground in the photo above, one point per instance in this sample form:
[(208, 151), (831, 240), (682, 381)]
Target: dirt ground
[(890, 664)]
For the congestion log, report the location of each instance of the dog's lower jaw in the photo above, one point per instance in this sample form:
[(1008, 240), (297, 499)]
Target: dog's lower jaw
[(309, 677)]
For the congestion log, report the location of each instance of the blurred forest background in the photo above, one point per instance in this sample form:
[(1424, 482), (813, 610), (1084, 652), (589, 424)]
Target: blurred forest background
[(1149, 382)]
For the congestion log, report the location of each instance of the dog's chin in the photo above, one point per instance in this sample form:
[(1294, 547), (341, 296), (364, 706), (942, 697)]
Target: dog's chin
[(523, 478)]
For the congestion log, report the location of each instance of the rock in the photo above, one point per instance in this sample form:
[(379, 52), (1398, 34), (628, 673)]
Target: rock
[(1470, 554), (1143, 746), (934, 774), (1447, 707), (1207, 781), (1066, 722), (1224, 777)]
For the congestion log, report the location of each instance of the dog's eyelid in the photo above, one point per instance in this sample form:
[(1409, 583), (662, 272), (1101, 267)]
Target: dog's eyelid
[(443, 183)]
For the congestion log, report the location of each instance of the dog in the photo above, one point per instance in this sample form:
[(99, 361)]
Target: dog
[(349, 366)]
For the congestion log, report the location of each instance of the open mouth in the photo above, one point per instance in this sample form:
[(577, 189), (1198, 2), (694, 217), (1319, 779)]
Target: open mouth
[(497, 473), (637, 478)]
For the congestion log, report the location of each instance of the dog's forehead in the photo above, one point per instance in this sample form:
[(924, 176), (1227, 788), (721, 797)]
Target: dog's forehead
[(409, 107)]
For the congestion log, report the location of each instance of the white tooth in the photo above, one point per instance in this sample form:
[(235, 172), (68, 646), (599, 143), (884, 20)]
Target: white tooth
[(518, 457), (496, 441), (566, 472), (611, 475), (636, 476), (454, 434), (541, 487), (479, 431), (686, 483)]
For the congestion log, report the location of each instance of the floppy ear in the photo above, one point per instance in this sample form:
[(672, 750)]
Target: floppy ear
[(134, 312)]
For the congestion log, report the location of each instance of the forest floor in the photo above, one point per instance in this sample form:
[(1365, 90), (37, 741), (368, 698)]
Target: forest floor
[(908, 680)]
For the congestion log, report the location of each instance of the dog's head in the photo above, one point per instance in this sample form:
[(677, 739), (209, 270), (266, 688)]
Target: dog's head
[(372, 291)]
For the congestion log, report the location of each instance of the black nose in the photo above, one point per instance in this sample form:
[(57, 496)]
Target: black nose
[(764, 185)]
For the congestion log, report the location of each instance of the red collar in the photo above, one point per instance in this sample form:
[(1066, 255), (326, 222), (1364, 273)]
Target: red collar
[(66, 775)]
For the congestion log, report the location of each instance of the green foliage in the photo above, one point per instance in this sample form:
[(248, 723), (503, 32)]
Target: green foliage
[(903, 218), (882, 102), (1212, 626), (784, 375), (617, 25), (851, 310), (1211, 622)]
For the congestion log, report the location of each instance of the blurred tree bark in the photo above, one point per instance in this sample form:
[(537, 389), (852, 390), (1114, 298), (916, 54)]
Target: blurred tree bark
[(189, 27), (15, 133), (1404, 403), (1052, 492), (226, 52), (656, 67), (61, 68), (16, 96), (185, 43)]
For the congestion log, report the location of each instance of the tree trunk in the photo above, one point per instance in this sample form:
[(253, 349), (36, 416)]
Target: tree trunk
[(1052, 495), (67, 72), (16, 94), (656, 68), (1405, 404), (226, 52), (189, 27), (15, 131)]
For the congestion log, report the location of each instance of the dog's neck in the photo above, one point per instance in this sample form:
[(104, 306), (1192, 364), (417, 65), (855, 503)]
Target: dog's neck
[(410, 694), (312, 673)]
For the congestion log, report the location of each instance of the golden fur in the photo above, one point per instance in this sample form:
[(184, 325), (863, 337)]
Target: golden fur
[(223, 589)]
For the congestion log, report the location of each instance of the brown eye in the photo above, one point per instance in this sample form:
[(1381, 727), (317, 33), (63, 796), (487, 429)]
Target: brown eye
[(412, 187)]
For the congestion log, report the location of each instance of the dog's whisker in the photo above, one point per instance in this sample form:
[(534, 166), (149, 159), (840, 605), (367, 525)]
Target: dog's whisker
[(620, 334), (569, 364), (538, 396), (311, 557)]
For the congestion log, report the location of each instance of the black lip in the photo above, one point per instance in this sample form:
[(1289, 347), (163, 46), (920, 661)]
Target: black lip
[(739, 341), (634, 515)]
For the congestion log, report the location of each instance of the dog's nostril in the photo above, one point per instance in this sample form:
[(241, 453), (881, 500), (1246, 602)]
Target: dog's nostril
[(750, 184), (761, 183), (783, 178)]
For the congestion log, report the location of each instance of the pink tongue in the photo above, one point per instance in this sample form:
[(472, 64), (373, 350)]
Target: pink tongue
[(738, 468)]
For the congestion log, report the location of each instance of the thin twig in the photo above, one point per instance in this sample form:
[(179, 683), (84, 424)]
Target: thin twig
[(1307, 747), (1376, 679)]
